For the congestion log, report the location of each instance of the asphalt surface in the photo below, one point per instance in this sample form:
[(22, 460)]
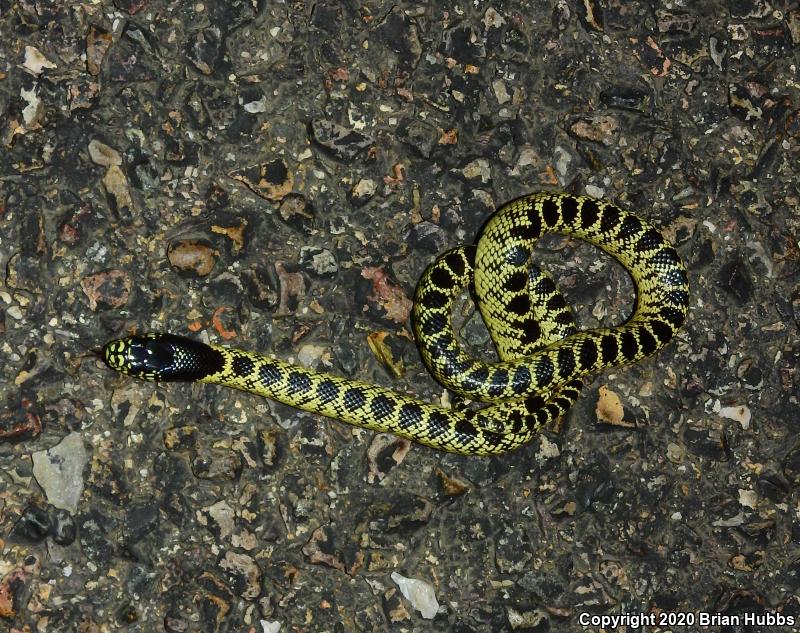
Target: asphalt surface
[(276, 176)]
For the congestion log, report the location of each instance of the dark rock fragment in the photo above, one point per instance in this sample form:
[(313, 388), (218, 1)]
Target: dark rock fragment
[(675, 23), (735, 279), (63, 529), (590, 13), (703, 253), (141, 519), (791, 466), (399, 513), (464, 44), (422, 137), (23, 272), (93, 538), (751, 374), (706, 443), (272, 180), (213, 610), (131, 7), (428, 237), (327, 16), (176, 508), (394, 608), (128, 62), (204, 49), (127, 614), (625, 98), (749, 9), (34, 524), (326, 547), (341, 142), (262, 287), (594, 482), (242, 573), (512, 550), (296, 211), (399, 32), (217, 465)]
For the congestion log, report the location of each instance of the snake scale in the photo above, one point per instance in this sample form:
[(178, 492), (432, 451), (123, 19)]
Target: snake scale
[(542, 355)]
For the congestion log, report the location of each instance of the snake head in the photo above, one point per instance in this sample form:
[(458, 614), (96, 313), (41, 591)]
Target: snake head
[(164, 357), (140, 356)]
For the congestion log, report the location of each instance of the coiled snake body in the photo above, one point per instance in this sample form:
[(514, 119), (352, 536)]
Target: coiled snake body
[(542, 355)]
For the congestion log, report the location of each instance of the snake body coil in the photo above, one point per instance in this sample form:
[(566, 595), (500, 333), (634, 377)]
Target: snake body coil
[(542, 355)]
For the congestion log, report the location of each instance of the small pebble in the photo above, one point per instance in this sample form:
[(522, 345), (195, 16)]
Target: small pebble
[(59, 471), (419, 593), (363, 190), (35, 61), (191, 256), (103, 155), (318, 261)]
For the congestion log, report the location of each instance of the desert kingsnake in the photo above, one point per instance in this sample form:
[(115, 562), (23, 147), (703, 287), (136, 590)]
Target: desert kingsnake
[(542, 355)]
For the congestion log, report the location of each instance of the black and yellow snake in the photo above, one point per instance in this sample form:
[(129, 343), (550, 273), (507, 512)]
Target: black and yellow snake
[(542, 355)]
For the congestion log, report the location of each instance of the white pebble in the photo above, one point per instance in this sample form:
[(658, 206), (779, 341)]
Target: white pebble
[(748, 498), (35, 61), (740, 414), (595, 191), (419, 593)]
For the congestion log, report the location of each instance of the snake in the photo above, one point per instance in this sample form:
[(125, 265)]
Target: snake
[(542, 356)]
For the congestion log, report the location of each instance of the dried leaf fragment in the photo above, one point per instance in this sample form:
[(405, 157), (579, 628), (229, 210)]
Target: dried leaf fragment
[(388, 295), (383, 352), (191, 256), (110, 287), (97, 44), (609, 408)]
